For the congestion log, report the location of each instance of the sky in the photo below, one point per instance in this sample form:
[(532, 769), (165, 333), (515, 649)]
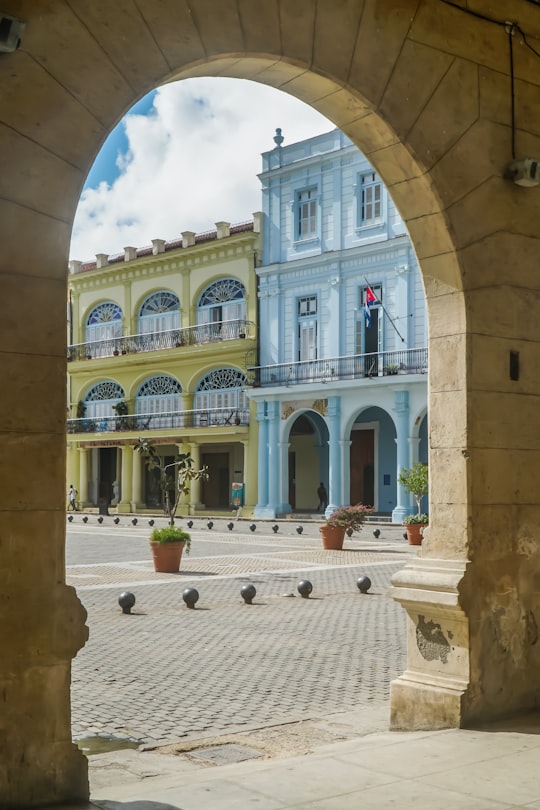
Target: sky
[(185, 157)]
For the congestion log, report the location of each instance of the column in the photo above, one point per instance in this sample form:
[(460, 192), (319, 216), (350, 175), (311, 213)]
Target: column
[(138, 463), (401, 409), (83, 476), (126, 482), (273, 456), (183, 503), (262, 461), (195, 491), (333, 419)]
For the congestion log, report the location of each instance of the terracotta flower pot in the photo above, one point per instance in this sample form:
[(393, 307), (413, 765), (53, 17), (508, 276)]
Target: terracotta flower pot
[(332, 537), (415, 532), (167, 556)]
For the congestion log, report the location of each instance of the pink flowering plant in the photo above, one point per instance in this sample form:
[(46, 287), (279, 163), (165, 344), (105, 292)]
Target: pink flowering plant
[(349, 517)]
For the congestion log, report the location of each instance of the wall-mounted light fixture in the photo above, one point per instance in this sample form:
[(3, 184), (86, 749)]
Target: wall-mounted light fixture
[(524, 172), (10, 33)]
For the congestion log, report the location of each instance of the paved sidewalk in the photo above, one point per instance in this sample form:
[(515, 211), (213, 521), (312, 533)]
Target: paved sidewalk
[(495, 769)]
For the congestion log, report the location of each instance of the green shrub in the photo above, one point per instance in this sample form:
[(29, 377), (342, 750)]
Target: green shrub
[(170, 534)]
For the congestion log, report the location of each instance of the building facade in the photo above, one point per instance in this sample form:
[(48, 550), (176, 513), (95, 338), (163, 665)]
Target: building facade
[(341, 383), (160, 339)]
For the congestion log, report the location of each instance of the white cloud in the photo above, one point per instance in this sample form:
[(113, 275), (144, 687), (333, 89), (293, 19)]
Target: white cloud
[(192, 161)]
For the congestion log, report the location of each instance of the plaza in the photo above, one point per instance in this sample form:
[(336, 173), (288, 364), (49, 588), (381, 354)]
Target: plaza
[(281, 704), (165, 673)]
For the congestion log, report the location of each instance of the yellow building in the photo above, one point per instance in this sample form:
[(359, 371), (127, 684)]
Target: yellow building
[(160, 340)]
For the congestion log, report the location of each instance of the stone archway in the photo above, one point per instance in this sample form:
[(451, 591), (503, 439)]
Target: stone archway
[(422, 88)]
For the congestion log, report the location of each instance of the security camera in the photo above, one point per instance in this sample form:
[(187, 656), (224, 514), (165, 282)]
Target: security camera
[(524, 172), (10, 33)]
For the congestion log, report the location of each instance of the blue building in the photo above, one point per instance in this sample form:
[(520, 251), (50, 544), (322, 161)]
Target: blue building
[(340, 383)]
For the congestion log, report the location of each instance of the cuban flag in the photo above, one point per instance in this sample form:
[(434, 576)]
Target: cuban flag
[(370, 299)]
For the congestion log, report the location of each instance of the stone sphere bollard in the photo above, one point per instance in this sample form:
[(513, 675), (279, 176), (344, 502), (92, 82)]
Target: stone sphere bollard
[(377, 533), (275, 528), (299, 529), (190, 524), (126, 600), (230, 526), (304, 588), (190, 597), (116, 521), (248, 593), (209, 524), (363, 584), (252, 527)]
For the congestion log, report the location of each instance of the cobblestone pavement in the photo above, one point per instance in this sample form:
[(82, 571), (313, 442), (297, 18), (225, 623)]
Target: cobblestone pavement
[(165, 673)]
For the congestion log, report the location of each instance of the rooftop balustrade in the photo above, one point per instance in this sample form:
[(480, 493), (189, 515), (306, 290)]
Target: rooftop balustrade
[(156, 341), (350, 367), (137, 423)]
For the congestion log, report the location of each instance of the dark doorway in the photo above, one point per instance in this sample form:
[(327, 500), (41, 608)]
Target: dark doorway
[(216, 490), (292, 480), (362, 467), (106, 473)]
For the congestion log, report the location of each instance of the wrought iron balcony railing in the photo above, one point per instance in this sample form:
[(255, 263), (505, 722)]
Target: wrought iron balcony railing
[(170, 339), (136, 423), (351, 367)]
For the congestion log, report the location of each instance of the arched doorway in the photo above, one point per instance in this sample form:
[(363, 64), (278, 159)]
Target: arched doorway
[(423, 92), (307, 461)]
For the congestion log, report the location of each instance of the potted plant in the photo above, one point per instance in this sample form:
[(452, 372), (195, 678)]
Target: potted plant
[(415, 480), (167, 544), (344, 519)]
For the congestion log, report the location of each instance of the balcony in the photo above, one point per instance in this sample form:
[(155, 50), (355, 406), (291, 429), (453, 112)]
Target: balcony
[(137, 423), (351, 367), (157, 341)]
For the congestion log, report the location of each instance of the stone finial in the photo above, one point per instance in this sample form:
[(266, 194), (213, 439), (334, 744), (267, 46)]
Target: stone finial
[(158, 246), (188, 238), (257, 221), (102, 259), (223, 229), (74, 266), (130, 253), (278, 137)]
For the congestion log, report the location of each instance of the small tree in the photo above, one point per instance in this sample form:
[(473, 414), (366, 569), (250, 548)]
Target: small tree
[(185, 474), (415, 481)]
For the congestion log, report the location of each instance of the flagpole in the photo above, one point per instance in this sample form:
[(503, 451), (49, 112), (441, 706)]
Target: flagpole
[(385, 310)]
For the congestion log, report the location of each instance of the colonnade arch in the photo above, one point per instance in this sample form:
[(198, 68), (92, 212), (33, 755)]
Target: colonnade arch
[(423, 89)]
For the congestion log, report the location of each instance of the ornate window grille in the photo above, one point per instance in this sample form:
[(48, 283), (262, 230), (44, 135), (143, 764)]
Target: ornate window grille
[(159, 312), (104, 322), (223, 300), (100, 399), (159, 394), (222, 388)]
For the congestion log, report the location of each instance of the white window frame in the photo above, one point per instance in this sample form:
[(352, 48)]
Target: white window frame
[(370, 210), (307, 321), (306, 210)]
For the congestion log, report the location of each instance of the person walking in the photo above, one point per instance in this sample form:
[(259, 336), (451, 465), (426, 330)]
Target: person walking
[(72, 497), (323, 497)]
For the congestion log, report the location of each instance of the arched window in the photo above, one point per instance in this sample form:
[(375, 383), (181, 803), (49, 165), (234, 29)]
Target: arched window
[(100, 399), (159, 313), (159, 394), (104, 322), (223, 300), (222, 388)]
